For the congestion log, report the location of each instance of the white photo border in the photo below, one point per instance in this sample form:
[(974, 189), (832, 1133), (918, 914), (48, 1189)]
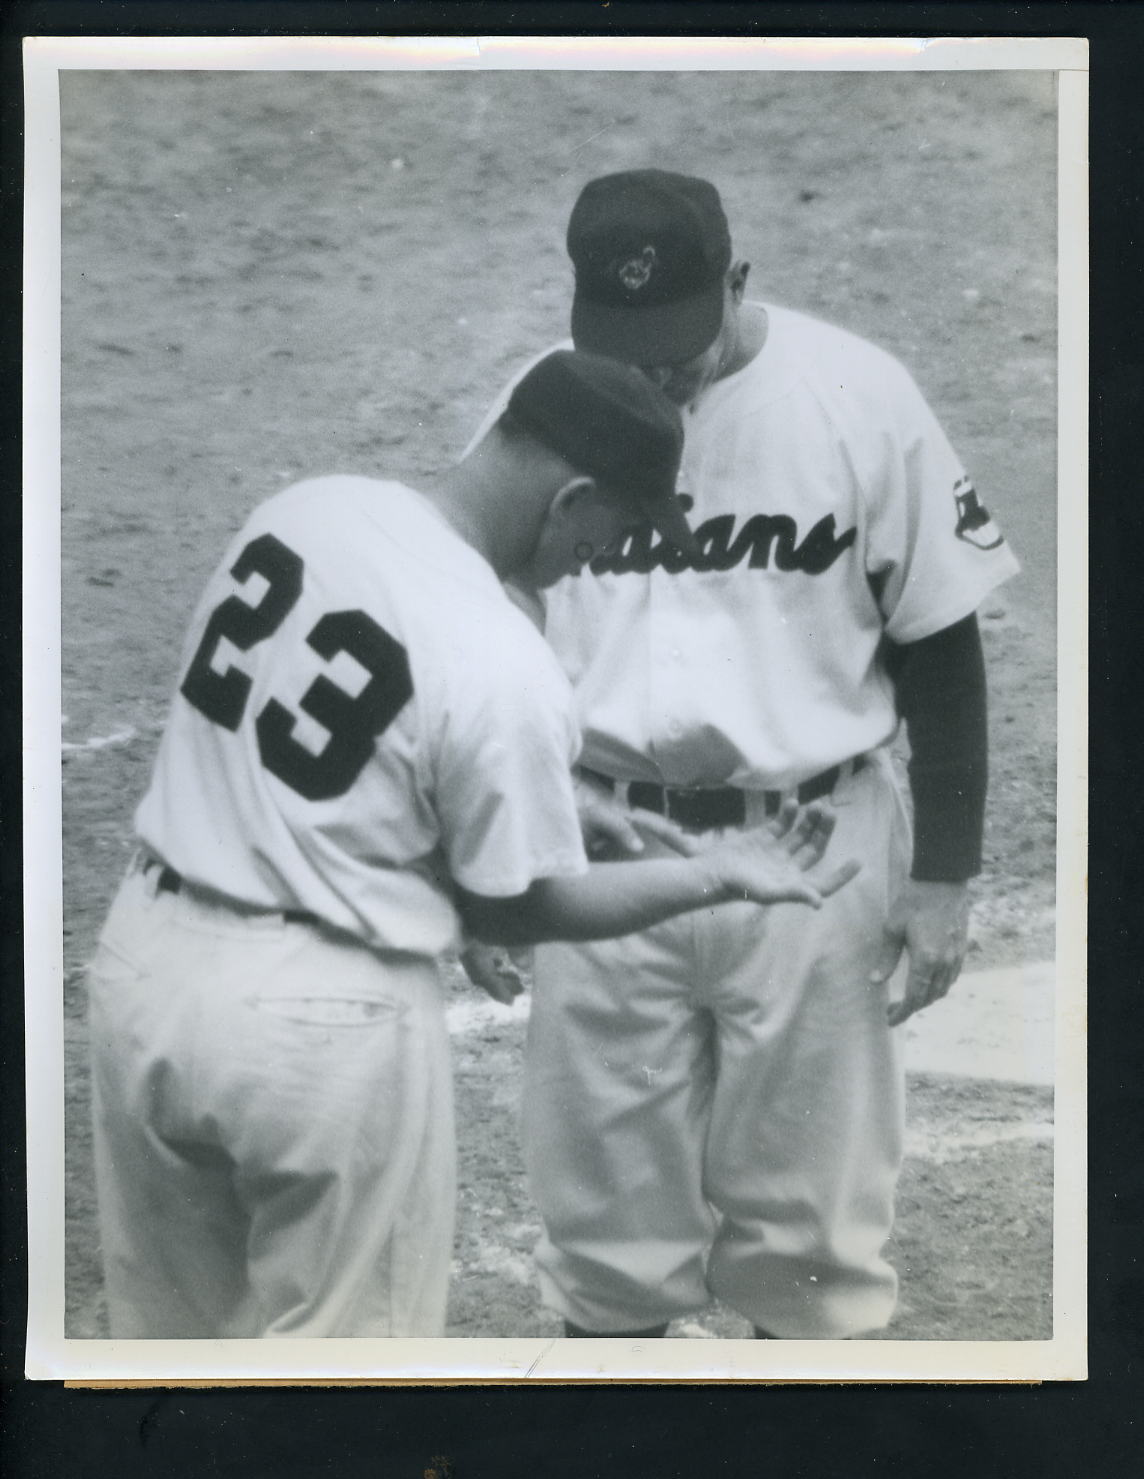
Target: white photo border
[(49, 1354)]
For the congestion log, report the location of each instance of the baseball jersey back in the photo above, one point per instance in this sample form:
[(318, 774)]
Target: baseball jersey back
[(363, 718)]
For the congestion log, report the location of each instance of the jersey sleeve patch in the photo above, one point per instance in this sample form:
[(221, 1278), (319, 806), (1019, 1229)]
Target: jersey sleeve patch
[(974, 524)]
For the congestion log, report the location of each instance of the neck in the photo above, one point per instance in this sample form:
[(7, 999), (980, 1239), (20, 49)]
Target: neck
[(470, 499), (748, 335)]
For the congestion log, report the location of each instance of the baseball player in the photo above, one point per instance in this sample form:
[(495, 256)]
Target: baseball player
[(714, 1106), (368, 742)]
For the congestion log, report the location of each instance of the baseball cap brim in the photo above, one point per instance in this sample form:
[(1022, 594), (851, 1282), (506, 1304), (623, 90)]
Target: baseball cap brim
[(667, 334), (666, 515)]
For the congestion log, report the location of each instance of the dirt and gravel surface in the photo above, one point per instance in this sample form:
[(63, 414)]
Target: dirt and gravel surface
[(267, 276)]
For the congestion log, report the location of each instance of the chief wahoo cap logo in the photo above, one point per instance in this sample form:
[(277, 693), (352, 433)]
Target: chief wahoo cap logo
[(635, 273)]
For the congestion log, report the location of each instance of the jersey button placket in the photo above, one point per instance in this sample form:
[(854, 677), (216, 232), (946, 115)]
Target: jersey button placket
[(667, 669)]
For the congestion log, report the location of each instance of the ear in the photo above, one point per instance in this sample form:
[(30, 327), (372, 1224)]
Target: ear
[(570, 495), (737, 275)]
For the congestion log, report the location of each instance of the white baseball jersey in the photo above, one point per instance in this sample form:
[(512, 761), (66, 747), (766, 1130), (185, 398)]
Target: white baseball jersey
[(363, 718), (831, 510), (750, 1063)]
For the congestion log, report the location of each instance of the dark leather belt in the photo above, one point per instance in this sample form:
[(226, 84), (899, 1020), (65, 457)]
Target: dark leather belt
[(705, 807), (171, 882)]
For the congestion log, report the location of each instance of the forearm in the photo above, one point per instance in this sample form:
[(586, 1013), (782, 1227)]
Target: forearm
[(623, 898), (610, 899), (941, 696), (772, 864)]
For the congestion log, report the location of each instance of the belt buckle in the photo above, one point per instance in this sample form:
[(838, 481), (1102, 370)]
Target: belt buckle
[(689, 793), (706, 808), (684, 797)]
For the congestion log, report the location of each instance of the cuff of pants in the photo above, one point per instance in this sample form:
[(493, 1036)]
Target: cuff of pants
[(807, 1300)]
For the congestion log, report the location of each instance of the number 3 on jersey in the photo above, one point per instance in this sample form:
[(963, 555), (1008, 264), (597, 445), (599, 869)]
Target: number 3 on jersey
[(352, 722)]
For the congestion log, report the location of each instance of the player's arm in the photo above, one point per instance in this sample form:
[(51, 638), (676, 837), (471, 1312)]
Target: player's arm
[(940, 684), (778, 863)]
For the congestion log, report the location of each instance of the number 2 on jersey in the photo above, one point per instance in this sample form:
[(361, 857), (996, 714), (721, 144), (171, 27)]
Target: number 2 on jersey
[(352, 722)]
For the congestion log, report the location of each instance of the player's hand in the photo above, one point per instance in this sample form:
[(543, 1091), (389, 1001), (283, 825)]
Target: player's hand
[(496, 969), (930, 921), (780, 862), (612, 831)]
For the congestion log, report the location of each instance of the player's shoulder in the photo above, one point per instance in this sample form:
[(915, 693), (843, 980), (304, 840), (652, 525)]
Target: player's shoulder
[(317, 508), (317, 495), (827, 349), (345, 508), (379, 542), (863, 390)]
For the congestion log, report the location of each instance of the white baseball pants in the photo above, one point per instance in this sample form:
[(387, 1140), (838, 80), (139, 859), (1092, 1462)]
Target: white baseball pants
[(715, 1107), (273, 1127)]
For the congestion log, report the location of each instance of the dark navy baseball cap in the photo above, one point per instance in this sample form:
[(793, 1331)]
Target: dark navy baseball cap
[(609, 421), (651, 251)]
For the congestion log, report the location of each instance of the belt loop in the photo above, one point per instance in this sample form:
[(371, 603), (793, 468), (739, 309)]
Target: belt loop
[(150, 870), (847, 770)]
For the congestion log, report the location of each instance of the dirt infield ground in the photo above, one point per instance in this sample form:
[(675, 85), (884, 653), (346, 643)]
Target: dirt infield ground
[(267, 276)]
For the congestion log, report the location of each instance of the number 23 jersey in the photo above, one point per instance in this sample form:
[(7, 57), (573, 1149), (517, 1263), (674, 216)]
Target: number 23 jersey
[(363, 718)]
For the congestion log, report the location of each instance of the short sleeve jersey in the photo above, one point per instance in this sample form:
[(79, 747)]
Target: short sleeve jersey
[(831, 511), (363, 719)]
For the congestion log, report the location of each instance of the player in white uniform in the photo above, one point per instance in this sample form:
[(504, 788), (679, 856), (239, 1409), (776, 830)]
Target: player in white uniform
[(715, 1106), (368, 742)]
